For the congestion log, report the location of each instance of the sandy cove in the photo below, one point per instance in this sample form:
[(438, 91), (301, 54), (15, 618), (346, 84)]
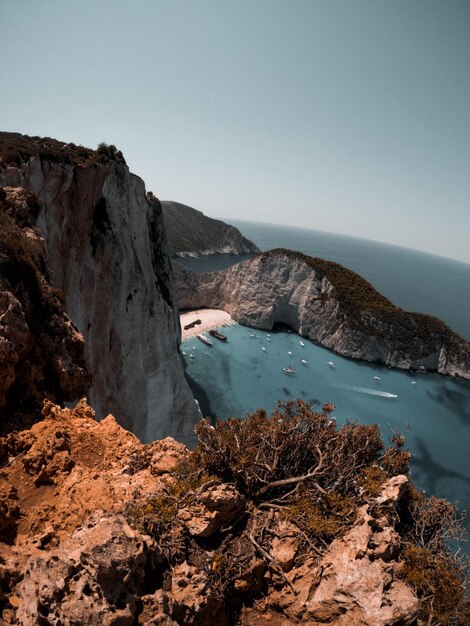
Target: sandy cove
[(210, 320)]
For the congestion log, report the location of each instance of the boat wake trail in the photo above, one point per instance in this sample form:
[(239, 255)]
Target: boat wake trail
[(371, 392)]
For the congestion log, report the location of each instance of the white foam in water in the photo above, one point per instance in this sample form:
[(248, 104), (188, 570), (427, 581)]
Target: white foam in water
[(371, 392)]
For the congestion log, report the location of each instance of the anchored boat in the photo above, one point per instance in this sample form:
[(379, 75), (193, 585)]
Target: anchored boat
[(204, 339), (217, 335)]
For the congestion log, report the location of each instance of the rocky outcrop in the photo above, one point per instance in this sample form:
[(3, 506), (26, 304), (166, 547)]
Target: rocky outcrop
[(191, 233), (106, 249), (41, 351), (93, 531), (330, 305)]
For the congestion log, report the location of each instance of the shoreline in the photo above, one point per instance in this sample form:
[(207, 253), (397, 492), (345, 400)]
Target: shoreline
[(211, 319)]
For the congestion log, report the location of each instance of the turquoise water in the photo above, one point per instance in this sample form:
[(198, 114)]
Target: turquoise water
[(239, 376)]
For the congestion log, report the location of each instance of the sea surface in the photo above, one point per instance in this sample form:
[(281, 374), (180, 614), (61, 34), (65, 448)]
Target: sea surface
[(233, 378)]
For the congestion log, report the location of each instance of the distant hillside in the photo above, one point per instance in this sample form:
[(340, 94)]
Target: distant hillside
[(191, 233)]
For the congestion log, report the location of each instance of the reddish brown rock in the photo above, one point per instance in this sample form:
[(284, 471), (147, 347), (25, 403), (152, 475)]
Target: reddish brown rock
[(69, 555)]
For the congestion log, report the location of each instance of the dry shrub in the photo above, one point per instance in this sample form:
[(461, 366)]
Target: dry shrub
[(439, 582)]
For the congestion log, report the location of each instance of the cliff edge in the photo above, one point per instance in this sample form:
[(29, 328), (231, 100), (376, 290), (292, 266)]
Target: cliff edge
[(330, 305), (106, 249), (191, 233)]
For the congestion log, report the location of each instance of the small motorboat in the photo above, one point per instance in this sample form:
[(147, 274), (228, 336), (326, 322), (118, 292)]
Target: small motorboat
[(288, 370), (413, 382), (331, 364), (304, 362), (377, 378), (191, 356), (263, 348), (302, 344), (289, 353), (204, 339)]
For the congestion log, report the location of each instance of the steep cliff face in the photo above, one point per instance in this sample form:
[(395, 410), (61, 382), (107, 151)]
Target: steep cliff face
[(106, 249), (330, 305), (191, 233), (41, 351)]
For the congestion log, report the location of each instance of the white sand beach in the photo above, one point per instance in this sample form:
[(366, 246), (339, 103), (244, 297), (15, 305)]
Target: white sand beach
[(210, 319)]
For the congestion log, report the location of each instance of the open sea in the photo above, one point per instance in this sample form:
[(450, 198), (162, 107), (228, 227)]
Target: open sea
[(233, 378)]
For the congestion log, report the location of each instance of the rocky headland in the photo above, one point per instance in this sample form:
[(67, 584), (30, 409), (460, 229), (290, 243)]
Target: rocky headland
[(191, 233), (106, 250), (330, 305)]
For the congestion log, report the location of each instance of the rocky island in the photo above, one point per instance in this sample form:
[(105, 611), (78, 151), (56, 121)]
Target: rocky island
[(330, 305), (191, 233)]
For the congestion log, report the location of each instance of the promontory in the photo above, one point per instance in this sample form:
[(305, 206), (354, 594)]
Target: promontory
[(330, 305)]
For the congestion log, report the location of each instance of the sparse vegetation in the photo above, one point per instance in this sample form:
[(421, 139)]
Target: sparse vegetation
[(298, 465), (364, 308), (16, 149)]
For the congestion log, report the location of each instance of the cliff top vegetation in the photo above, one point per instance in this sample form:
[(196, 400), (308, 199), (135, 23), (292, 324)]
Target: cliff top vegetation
[(360, 303), (16, 149)]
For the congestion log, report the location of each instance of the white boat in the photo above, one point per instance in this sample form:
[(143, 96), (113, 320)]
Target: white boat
[(331, 364), (263, 348), (268, 338), (183, 353), (288, 370), (304, 362), (302, 344), (191, 356), (268, 335), (204, 339), (289, 353), (413, 382), (377, 378)]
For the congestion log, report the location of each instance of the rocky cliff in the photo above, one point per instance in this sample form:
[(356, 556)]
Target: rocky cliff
[(41, 351), (98, 529), (330, 305), (107, 251), (191, 233)]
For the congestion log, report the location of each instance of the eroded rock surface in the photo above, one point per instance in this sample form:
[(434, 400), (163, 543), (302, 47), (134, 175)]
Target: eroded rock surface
[(106, 249), (75, 495), (328, 304), (41, 351)]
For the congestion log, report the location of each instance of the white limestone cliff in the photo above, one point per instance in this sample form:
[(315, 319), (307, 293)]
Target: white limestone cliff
[(330, 305), (106, 248)]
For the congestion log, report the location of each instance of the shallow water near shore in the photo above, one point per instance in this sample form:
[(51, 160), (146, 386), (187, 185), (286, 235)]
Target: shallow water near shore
[(237, 377)]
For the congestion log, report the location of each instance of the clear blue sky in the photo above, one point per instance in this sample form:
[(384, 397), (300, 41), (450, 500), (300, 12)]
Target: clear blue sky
[(340, 115)]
